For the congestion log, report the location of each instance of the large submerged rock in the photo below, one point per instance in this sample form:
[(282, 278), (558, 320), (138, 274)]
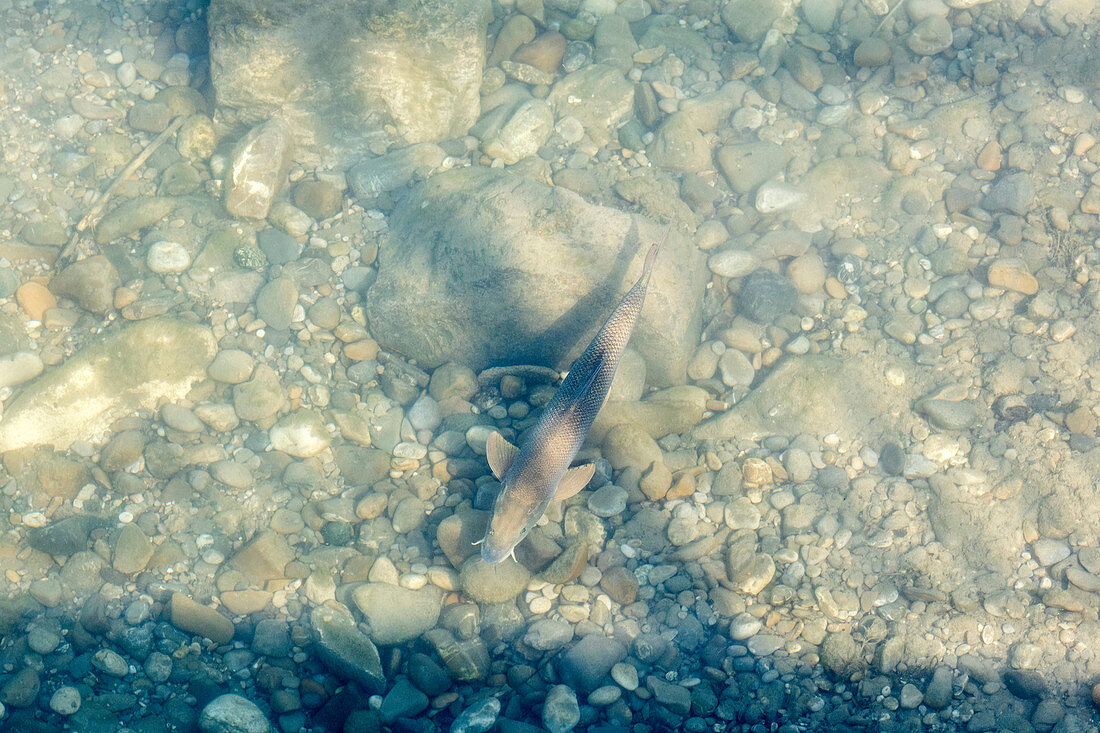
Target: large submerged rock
[(486, 268), (138, 367), (818, 395), (339, 71)]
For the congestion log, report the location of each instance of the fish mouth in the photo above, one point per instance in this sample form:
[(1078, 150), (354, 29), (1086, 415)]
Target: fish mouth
[(494, 555)]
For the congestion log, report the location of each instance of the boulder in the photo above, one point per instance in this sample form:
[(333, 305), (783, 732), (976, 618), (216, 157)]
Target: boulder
[(487, 268), (339, 72), (133, 368)]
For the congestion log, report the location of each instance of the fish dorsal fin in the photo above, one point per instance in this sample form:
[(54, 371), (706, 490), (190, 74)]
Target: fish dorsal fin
[(500, 453), (574, 480)]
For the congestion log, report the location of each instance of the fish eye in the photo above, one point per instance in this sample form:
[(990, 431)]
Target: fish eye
[(490, 531)]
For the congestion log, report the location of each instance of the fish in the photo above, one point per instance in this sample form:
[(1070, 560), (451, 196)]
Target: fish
[(538, 471)]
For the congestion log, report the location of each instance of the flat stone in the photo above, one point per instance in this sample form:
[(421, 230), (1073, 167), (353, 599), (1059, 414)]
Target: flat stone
[(132, 216), (561, 712), (679, 146), (1012, 274), (938, 693), (91, 282), (261, 397), (258, 169), (263, 558), (397, 614), (403, 700), (19, 367), (301, 434), (195, 618), (811, 394), (1014, 193), (545, 634), (132, 550), (930, 36), (65, 536), (492, 583), (675, 698), (345, 649), (137, 367), (523, 134), (598, 96), (479, 717), (393, 170), (585, 665), (350, 73)]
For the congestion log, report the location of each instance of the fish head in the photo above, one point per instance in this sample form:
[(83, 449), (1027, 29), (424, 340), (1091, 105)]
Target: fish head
[(510, 522)]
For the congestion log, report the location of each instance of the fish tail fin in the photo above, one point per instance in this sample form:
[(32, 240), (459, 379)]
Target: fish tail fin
[(651, 256)]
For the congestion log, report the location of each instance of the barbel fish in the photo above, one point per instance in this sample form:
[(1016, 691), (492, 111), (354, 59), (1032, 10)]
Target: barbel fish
[(538, 471)]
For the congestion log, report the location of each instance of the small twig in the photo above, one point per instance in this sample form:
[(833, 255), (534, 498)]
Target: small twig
[(101, 201), (888, 15)]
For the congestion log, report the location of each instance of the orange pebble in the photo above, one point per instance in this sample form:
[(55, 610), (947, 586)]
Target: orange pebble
[(35, 298)]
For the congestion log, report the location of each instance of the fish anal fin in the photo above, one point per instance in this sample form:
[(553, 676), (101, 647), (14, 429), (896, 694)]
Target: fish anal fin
[(500, 454), (574, 480)]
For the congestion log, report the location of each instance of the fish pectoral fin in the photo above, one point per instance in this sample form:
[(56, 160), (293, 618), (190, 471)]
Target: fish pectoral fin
[(574, 480), (500, 454)]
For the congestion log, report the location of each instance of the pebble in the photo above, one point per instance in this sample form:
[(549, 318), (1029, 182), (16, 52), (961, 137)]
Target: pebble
[(258, 170), (807, 273), (545, 634), (1013, 193), (523, 134), (21, 689), (19, 367), (232, 714), (872, 52), (930, 36), (1012, 274), (587, 663), (275, 302), (90, 282), (765, 296), (110, 662), (231, 366), (395, 614), (625, 676), (1049, 552), (486, 583), (165, 256), (35, 299), (260, 397), (194, 618), (479, 717), (910, 696), (65, 700), (403, 700), (620, 584), (561, 712), (301, 434), (608, 501), (744, 626), (938, 693), (132, 550)]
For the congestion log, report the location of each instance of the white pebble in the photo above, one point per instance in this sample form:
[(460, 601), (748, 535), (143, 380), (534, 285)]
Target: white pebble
[(34, 519), (167, 257), (540, 605), (126, 74)]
